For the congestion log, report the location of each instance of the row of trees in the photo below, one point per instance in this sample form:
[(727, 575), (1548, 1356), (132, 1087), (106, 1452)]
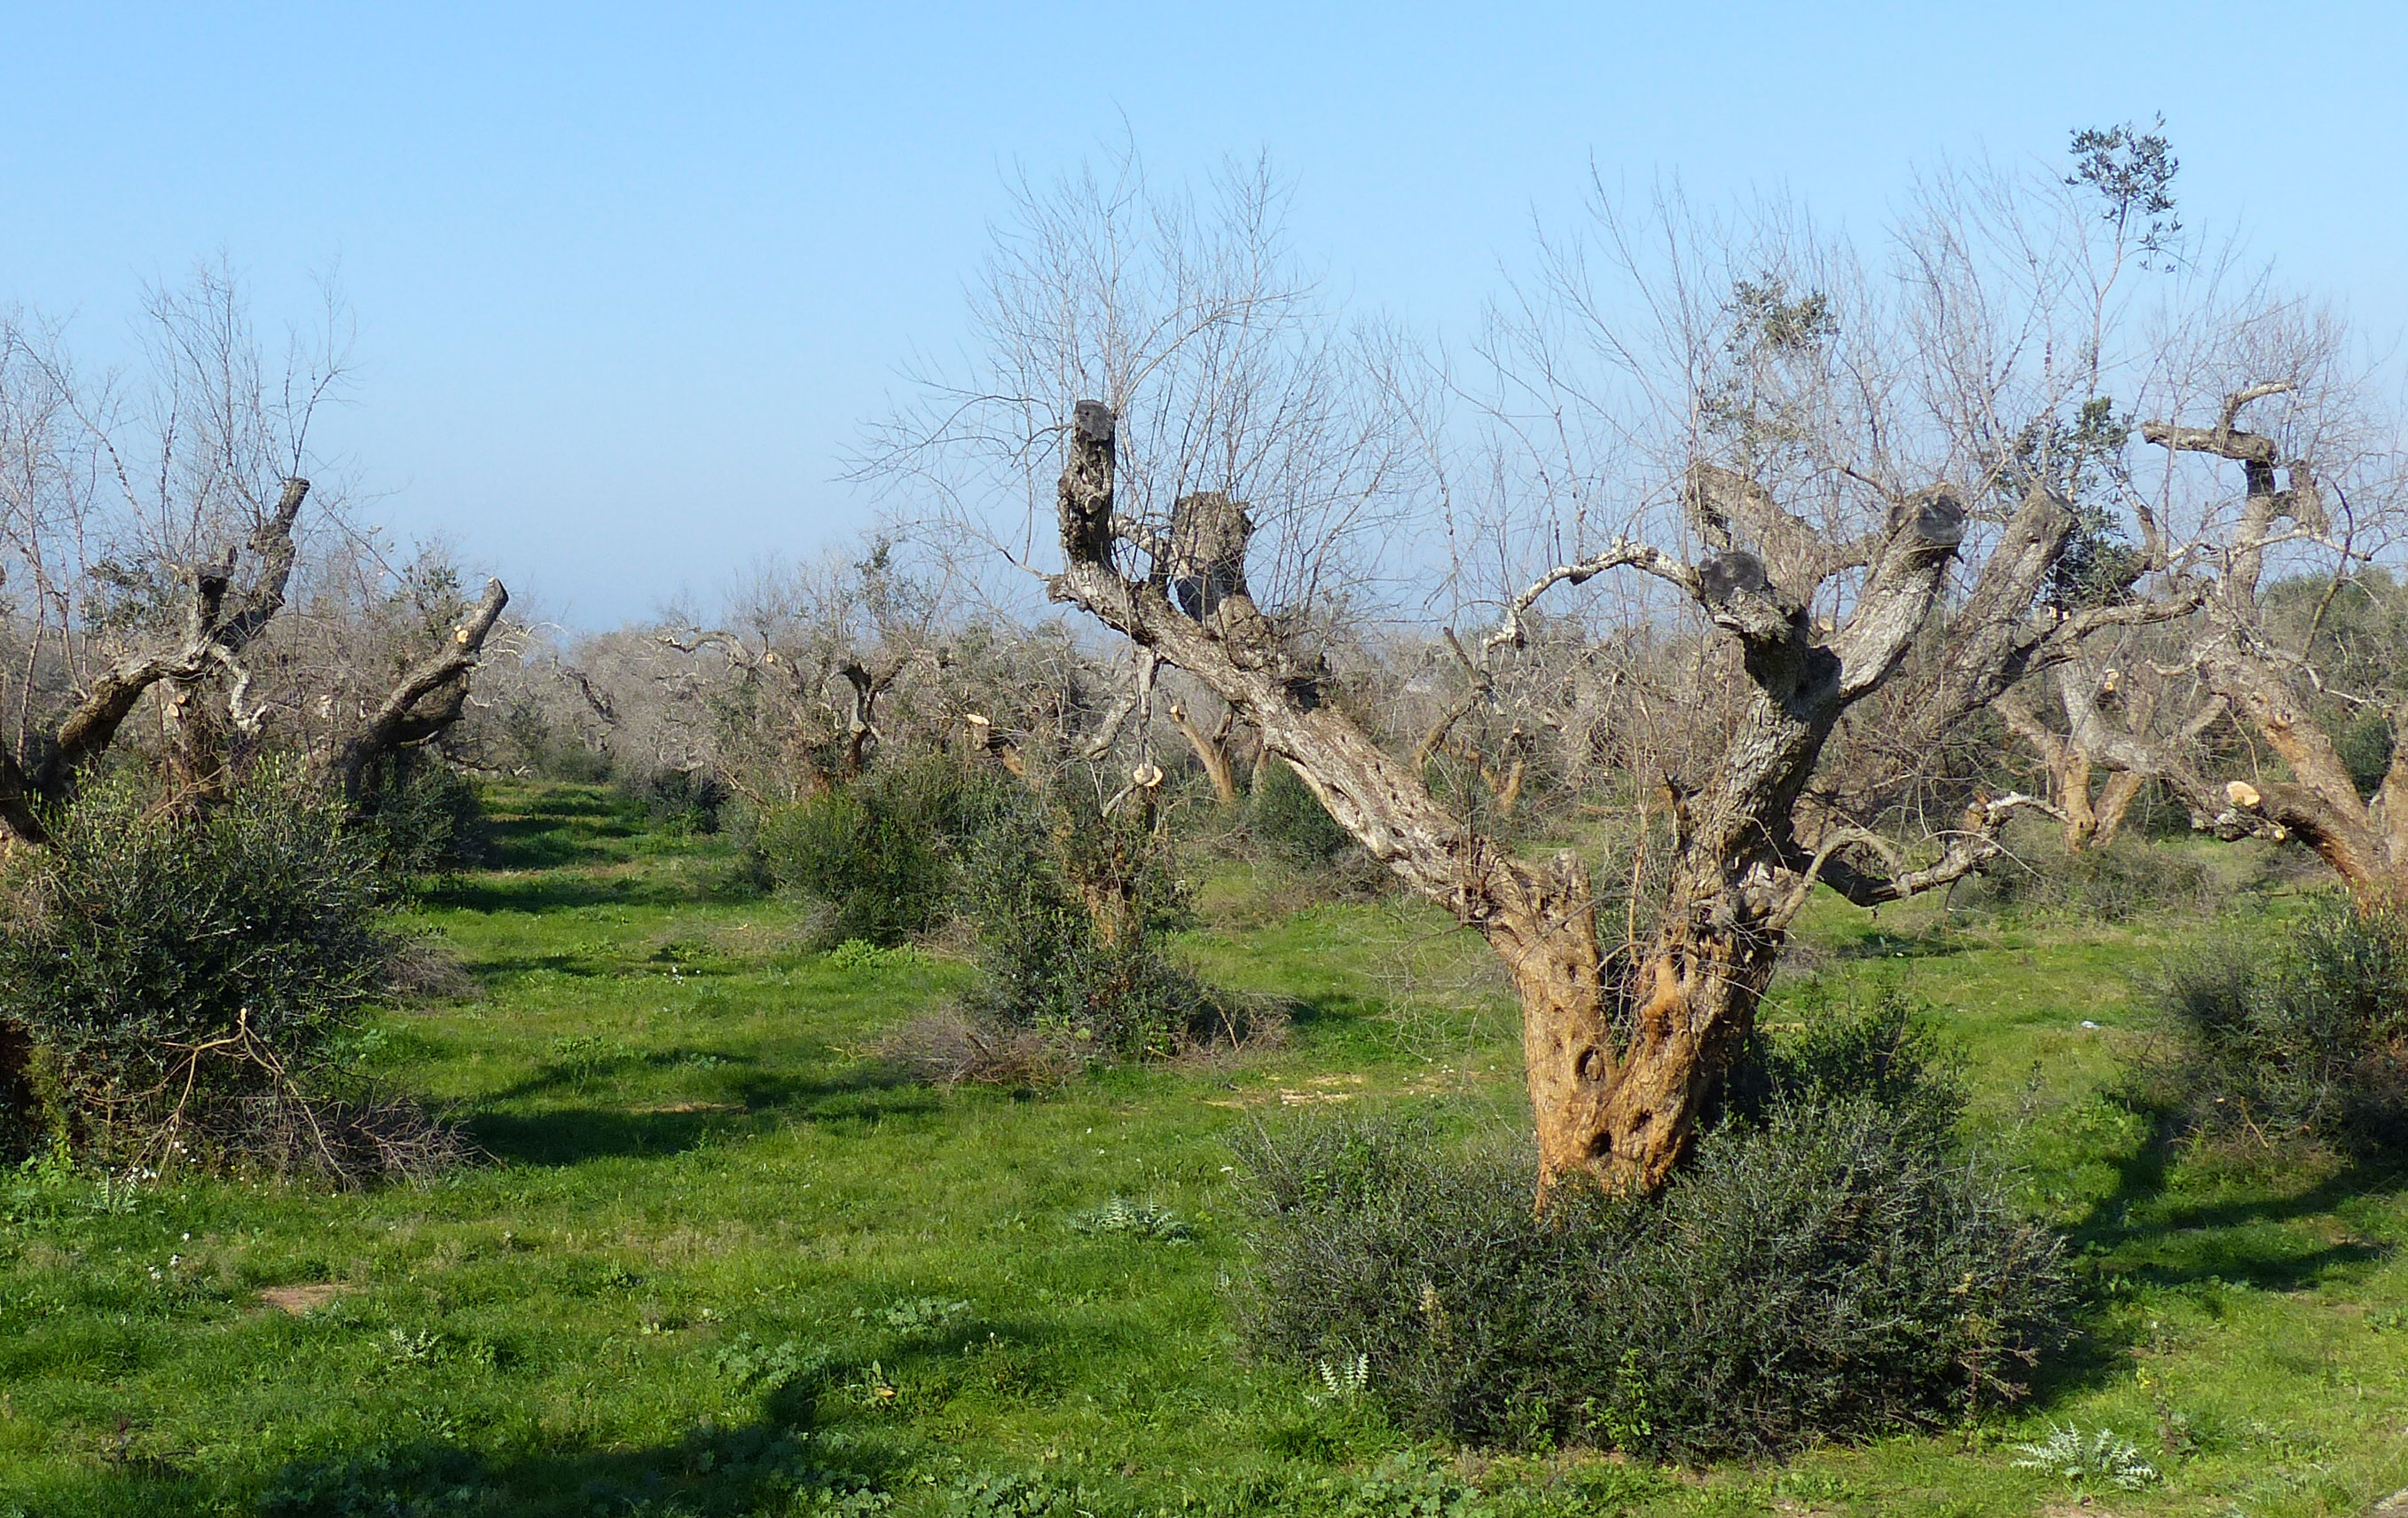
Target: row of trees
[(2044, 506), (1862, 514)]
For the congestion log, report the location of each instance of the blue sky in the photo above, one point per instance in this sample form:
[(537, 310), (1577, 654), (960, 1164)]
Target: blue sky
[(628, 279)]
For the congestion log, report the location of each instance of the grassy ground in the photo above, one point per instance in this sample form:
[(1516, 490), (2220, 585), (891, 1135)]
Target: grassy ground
[(720, 1263)]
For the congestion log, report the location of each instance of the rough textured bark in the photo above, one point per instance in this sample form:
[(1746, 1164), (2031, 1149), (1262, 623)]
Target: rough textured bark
[(426, 701), (1211, 751), (2115, 799), (860, 726), (1617, 1107), (2364, 840), (220, 620)]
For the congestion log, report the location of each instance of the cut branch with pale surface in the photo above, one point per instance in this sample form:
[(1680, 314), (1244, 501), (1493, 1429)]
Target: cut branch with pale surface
[(426, 701)]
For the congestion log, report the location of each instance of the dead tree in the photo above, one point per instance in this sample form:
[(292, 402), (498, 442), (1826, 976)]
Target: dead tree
[(2129, 722), (2256, 678), (222, 616), (1815, 474), (154, 546), (423, 704), (1618, 1105)]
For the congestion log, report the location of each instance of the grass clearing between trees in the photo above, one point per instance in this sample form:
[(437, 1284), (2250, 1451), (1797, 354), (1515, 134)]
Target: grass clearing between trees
[(721, 1260)]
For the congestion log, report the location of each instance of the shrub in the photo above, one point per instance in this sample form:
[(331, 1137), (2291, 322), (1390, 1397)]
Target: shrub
[(678, 801), (2129, 876), (881, 851), (189, 982), (1288, 820), (2308, 1043), (1890, 1052), (950, 1048), (1071, 906), (423, 816), (1827, 1267)]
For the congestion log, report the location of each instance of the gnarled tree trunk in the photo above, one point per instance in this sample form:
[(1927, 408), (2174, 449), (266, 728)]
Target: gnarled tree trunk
[(2364, 839), (425, 702), (1618, 1072)]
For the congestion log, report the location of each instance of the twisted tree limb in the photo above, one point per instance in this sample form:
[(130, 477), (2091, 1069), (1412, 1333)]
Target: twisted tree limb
[(425, 702)]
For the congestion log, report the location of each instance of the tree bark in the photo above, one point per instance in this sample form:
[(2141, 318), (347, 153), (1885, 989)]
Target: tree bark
[(220, 620), (2116, 799), (1211, 752), (426, 701), (1617, 1108), (2364, 841)]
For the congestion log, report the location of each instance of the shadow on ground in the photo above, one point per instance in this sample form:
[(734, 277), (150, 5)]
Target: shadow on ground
[(749, 1104)]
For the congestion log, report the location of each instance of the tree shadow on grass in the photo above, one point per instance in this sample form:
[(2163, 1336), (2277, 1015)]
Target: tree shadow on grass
[(554, 890), (712, 1472), (788, 1456), (749, 1106), (779, 1461), (2226, 1239), (2127, 1240)]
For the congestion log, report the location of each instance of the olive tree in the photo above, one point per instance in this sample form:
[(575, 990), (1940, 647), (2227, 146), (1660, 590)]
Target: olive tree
[(2253, 476), (149, 533), (1815, 467)]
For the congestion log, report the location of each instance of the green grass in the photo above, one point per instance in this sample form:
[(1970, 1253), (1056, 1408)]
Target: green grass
[(718, 1263)]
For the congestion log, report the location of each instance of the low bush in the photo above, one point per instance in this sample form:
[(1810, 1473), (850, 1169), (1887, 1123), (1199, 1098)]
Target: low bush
[(2304, 1044), (681, 801), (188, 984), (423, 816), (882, 852), (1287, 820), (951, 1047), (2131, 876), (1827, 1265), (1887, 1051), (1071, 906)]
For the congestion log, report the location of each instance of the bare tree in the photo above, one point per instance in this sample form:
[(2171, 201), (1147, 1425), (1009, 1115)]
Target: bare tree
[(2268, 678), (2262, 483), (1839, 512), (149, 540)]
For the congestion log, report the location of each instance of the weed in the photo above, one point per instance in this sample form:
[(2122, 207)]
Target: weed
[(857, 954), (2079, 1459), (1126, 1219), (917, 1317), (412, 1346), (764, 1367), (1345, 1382), (1013, 1495), (582, 1057)]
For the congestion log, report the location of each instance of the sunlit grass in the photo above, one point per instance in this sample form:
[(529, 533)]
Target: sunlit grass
[(713, 1256)]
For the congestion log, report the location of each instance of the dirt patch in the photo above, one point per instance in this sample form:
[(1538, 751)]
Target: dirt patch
[(690, 1106), (302, 1300)]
